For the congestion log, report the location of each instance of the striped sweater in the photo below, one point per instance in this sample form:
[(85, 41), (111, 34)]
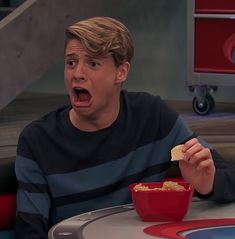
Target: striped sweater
[(63, 171)]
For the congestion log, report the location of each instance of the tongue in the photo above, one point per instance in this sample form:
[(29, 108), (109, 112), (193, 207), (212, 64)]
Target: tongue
[(84, 96)]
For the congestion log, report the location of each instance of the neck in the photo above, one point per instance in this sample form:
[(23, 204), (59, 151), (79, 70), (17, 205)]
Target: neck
[(92, 123)]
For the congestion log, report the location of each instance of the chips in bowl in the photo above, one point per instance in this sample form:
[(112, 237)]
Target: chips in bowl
[(161, 201)]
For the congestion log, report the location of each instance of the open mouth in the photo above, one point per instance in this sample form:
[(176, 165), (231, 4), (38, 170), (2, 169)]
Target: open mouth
[(82, 96)]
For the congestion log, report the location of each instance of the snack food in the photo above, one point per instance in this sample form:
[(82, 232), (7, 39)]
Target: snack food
[(167, 185), (176, 153)]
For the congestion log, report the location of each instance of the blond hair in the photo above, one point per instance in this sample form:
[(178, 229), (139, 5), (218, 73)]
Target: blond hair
[(103, 36)]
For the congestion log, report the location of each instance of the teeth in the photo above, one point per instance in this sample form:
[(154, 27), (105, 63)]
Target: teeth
[(79, 89)]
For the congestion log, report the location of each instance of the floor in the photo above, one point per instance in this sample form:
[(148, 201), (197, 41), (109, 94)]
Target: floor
[(218, 127)]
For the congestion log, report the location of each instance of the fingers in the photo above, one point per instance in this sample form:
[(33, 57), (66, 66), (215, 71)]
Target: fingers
[(196, 154), (195, 151), (205, 164), (192, 145), (191, 142)]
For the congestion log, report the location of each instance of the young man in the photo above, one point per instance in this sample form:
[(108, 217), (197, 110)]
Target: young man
[(84, 156)]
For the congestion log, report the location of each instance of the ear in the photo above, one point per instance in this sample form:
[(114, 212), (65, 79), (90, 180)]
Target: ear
[(122, 72)]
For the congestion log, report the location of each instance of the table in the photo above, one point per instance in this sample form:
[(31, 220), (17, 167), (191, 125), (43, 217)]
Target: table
[(204, 220)]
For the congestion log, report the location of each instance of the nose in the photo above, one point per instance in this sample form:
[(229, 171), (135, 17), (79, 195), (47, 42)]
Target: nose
[(79, 72)]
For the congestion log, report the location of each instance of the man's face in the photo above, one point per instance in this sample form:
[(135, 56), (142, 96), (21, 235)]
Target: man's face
[(93, 84)]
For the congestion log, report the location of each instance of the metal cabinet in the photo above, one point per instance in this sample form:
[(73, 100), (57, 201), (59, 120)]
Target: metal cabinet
[(210, 49)]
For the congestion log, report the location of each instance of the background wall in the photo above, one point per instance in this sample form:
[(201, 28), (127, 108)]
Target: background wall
[(158, 28)]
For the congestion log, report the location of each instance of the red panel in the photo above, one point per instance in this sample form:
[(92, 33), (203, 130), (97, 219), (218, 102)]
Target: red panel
[(214, 45), (215, 6), (7, 210)]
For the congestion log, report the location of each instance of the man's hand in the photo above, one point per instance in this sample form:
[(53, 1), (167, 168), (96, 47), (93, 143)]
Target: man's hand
[(198, 167)]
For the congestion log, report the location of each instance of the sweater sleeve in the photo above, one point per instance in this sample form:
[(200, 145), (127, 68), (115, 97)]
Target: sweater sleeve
[(224, 182), (33, 201)]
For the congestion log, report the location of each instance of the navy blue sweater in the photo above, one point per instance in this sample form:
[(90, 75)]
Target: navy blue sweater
[(63, 171)]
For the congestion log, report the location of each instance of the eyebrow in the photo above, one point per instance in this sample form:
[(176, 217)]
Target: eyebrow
[(70, 54), (86, 56)]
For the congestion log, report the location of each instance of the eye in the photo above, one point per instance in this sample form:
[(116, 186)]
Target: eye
[(93, 64), (70, 63)]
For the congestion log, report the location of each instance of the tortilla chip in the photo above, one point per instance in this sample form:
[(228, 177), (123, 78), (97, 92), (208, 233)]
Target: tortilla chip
[(176, 153)]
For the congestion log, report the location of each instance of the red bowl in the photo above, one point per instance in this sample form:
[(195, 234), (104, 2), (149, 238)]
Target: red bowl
[(162, 205), (7, 210)]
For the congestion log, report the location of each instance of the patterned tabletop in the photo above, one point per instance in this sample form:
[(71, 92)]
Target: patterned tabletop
[(203, 220)]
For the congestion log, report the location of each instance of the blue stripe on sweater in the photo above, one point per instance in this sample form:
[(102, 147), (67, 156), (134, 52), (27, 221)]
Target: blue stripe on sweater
[(119, 197), (22, 168), (95, 177), (135, 162), (35, 203)]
